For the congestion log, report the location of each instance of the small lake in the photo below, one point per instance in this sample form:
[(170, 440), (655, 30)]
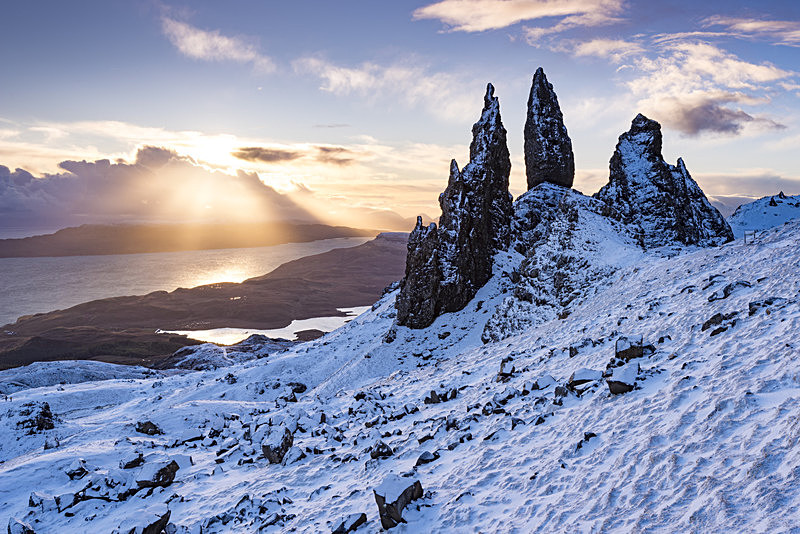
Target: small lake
[(231, 336), (38, 285)]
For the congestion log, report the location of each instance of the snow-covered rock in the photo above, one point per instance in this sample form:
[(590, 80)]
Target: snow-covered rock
[(662, 201), (447, 265), (764, 213)]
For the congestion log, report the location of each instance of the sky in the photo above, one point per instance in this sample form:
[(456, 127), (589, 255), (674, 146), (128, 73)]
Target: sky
[(353, 109)]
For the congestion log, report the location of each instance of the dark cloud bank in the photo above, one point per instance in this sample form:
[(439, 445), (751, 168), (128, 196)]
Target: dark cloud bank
[(159, 186)]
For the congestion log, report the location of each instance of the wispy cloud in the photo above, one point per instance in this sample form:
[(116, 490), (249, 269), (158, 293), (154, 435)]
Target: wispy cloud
[(213, 46), (615, 50), (443, 94), (482, 15), (265, 155), (781, 32)]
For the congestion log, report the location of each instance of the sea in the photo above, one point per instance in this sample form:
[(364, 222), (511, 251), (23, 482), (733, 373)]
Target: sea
[(38, 285)]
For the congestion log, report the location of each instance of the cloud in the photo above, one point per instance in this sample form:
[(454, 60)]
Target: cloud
[(265, 155), (614, 50), (753, 183), (213, 46), (158, 186), (706, 112), (781, 32), (690, 86), (335, 155), (482, 15), (443, 94)]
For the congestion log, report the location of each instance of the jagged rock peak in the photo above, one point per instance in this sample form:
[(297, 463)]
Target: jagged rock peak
[(660, 200), (548, 148), (446, 266)]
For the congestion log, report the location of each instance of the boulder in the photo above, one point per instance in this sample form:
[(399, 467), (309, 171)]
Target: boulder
[(623, 379), (15, 526), (77, 469), (380, 450), (392, 496), (158, 473), (148, 427), (627, 348), (548, 148), (276, 443), (426, 458), (350, 523)]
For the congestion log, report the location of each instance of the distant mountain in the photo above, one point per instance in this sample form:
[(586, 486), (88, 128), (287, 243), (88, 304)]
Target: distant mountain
[(90, 240), (764, 213)]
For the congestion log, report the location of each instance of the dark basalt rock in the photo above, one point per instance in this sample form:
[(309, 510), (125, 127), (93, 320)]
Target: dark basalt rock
[(548, 148), (392, 496), (661, 201), (350, 523), (447, 265)]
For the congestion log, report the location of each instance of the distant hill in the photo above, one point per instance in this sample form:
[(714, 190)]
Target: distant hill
[(122, 329), (765, 213), (88, 240)]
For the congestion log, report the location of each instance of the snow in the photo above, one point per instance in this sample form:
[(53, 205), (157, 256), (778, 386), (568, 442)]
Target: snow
[(760, 215), (41, 374), (707, 442)]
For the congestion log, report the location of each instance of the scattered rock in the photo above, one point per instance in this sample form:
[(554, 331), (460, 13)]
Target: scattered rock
[(392, 496), (15, 526), (586, 437), (380, 450), (728, 290), (297, 387), (623, 379), (276, 443), (77, 469), (132, 461), (627, 348), (148, 427), (426, 458), (350, 523), (718, 319), (41, 419), (155, 474), (766, 304), (432, 398)]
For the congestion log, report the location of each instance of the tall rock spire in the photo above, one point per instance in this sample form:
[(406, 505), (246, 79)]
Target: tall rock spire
[(548, 148), (447, 265), (662, 200)]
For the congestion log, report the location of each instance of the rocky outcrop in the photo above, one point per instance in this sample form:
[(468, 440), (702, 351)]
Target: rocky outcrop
[(447, 265), (660, 200), (548, 148)]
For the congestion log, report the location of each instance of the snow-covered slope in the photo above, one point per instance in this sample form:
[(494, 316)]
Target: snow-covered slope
[(529, 440), (764, 213)]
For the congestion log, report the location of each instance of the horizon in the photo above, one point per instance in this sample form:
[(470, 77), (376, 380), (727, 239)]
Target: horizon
[(151, 111)]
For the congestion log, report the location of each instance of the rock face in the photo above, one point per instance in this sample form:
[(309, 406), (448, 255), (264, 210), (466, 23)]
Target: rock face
[(447, 265), (662, 201), (548, 148)]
